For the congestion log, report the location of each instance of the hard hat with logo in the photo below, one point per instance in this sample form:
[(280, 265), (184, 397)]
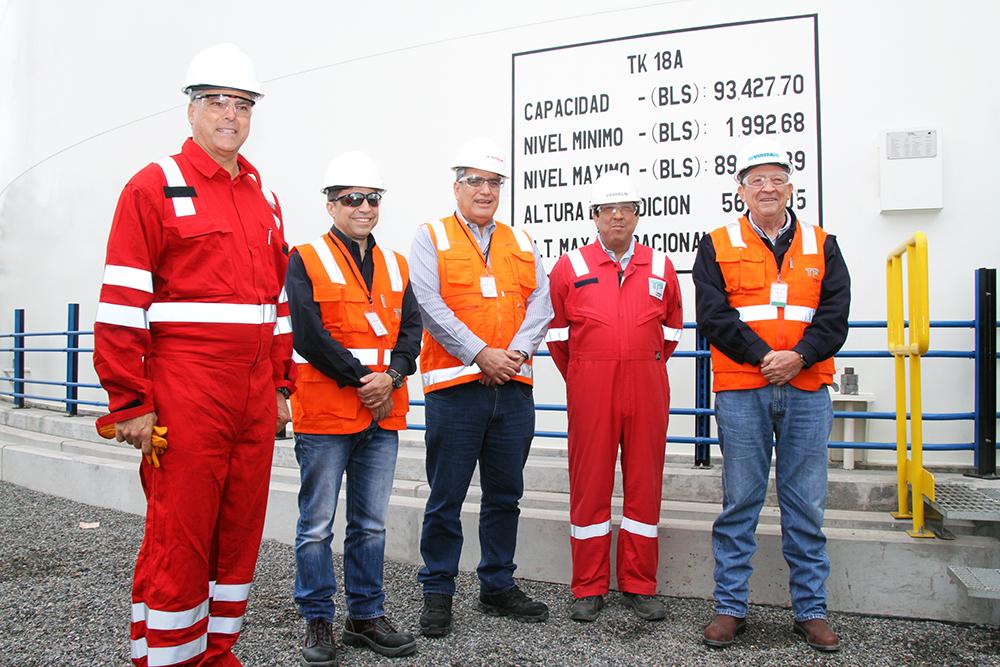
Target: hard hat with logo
[(481, 153), (223, 66), (613, 187), (762, 151), (353, 169)]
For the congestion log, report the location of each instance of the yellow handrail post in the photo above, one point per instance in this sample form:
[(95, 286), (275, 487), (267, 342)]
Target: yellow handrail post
[(910, 474)]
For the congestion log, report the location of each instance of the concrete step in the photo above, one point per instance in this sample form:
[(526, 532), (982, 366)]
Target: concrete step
[(877, 568)]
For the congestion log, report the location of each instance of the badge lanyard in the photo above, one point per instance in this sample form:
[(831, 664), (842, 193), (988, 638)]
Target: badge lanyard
[(373, 319), (487, 283)]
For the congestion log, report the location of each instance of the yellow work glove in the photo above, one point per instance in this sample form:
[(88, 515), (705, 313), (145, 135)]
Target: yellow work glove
[(159, 441)]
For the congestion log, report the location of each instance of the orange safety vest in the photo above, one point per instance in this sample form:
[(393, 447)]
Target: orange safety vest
[(319, 404), (461, 266), (749, 269)]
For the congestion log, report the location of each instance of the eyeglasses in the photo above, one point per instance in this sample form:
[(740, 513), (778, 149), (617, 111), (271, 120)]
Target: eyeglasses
[(219, 104), (611, 209), (757, 182), (476, 182), (355, 199)]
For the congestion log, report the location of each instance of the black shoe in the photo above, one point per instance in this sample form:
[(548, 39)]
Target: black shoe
[(435, 619), (586, 609), (514, 603), (646, 607), (379, 635), (318, 648)]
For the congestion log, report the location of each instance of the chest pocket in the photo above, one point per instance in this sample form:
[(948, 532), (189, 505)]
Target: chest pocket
[(742, 268), (343, 307), (523, 267), (197, 257)]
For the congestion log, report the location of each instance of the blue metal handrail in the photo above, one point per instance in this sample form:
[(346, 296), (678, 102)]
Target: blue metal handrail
[(701, 440)]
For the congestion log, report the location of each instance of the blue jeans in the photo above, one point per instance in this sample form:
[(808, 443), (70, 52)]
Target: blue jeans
[(797, 425), (369, 458), (468, 424)]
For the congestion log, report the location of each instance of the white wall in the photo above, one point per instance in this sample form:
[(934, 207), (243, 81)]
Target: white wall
[(89, 93)]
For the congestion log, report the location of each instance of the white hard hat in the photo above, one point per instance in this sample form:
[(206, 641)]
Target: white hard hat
[(613, 187), (352, 169), (481, 153), (223, 66), (762, 151)]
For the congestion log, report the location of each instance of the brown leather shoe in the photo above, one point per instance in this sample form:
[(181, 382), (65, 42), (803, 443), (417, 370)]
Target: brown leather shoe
[(722, 631), (818, 634)]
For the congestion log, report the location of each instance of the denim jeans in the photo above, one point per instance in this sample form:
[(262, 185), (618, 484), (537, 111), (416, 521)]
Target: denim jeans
[(369, 458), (468, 424), (797, 425)]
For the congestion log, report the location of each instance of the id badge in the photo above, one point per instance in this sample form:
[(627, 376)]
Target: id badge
[(779, 294), (656, 287), (376, 323), (489, 286)]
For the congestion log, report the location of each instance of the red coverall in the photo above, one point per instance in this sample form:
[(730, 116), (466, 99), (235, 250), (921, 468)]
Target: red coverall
[(611, 342), (191, 325)]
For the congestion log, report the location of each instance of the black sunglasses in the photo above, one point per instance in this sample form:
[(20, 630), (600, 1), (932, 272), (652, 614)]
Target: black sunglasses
[(354, 199)]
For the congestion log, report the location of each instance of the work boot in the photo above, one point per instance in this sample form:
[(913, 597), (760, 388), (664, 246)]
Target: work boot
[(435, 619), (379, 635), (514, 603), (586, 609), (646, 607), (722, 631), (318, 648), (818, 634)]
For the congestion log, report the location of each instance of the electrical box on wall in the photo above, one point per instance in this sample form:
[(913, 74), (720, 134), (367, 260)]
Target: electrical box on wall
[(910, 169)]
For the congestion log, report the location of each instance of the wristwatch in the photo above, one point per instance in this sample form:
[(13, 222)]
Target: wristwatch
[(284, 392), (524, 356), (398, 379)]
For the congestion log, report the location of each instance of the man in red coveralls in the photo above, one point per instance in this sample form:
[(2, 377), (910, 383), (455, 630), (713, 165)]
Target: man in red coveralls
[(617, 320), (191, 334)]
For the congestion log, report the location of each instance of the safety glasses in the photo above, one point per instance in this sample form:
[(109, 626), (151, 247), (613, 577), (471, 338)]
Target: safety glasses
[(355, 199)]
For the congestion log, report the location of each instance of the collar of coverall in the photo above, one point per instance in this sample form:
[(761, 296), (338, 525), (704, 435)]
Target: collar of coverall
[(208, 167)]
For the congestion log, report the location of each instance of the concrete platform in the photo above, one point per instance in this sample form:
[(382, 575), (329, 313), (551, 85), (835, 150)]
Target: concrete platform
[(877, 568)]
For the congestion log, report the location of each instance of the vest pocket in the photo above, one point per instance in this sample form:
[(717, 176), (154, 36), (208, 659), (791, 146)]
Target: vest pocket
[(458, 268), (524, 269), (752, 269)]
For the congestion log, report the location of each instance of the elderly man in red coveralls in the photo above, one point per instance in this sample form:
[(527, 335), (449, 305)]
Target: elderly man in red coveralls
[(617, 320), (191, 334)]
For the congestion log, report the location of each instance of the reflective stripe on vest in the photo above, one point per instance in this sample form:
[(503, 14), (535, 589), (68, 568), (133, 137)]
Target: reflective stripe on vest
[(447, 374), (183, 206), (333, 271), (365, 355), (762, 313)]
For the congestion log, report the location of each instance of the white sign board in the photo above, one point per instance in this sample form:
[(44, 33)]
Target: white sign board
[(671, 109)]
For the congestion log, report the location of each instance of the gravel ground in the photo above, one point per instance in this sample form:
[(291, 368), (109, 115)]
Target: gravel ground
[(64, 600)]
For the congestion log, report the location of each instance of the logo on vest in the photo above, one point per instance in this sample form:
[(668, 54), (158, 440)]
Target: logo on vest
[(812, 272)]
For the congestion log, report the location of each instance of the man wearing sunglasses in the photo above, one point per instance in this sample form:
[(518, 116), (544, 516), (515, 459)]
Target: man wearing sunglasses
[(192, 334), (617, 321), (357, 336), (484, 298), (772, 295)]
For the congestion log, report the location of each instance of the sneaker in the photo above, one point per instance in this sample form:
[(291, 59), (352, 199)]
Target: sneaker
[(435, 619), (646, 607), (586, 609), (318, 649), (379, 635), (514, 603)]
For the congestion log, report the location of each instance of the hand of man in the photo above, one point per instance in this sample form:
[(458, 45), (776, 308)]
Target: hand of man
[(283, 415), (498, 366), (376, 389), (381, 411), (137, 432), (780, 366)]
